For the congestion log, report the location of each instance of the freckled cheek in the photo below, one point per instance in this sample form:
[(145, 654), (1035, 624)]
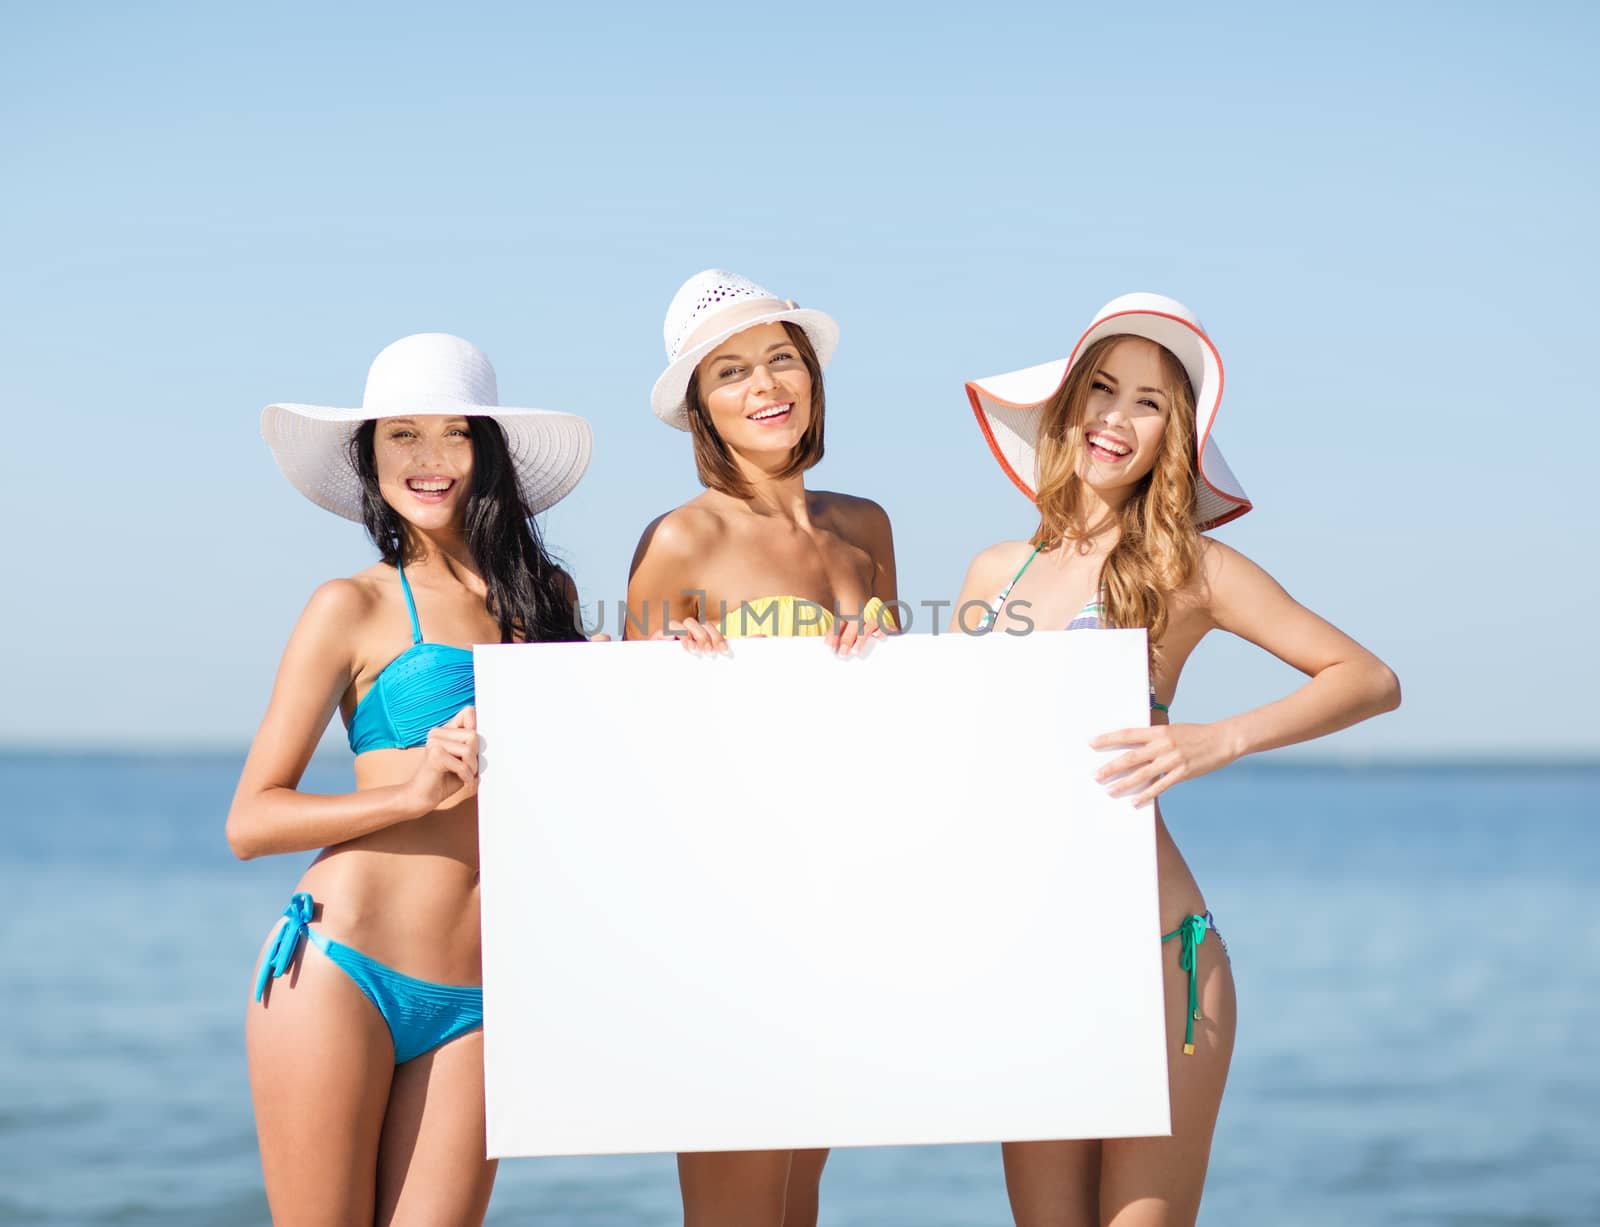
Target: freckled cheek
[(388, 465), (461, 464)]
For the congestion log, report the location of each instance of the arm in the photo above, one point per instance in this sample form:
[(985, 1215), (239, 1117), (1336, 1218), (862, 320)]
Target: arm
[(661, 591), (870, 530), (878, 537), (268, 815), (1347, 684)]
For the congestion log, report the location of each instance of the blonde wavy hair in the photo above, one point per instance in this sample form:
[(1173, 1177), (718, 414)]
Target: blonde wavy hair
[(1158, 548)]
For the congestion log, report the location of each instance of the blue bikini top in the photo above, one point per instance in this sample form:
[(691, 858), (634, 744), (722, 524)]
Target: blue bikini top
[(418, 690)]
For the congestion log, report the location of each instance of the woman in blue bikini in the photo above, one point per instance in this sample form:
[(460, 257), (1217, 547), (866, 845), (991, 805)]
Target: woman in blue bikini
[(1114, 446), (366, 1058)]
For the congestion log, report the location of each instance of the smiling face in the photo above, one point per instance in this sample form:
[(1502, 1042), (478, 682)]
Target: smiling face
[(757, 391), (424, 466), (1125, 415)]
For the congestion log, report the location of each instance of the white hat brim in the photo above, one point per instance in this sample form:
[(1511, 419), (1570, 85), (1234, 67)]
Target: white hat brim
[(667, 398), (1007, 408), (311, 443)]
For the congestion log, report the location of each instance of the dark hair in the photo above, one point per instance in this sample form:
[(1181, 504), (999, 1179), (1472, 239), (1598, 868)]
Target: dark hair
[(712, 459), (526, 594)]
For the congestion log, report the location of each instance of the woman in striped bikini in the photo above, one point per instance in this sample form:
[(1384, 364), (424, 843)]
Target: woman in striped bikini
[(1114, 446)]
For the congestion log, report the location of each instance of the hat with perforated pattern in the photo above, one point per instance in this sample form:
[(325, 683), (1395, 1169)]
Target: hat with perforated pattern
[(709, 308), (429, 373), (1008, 406)]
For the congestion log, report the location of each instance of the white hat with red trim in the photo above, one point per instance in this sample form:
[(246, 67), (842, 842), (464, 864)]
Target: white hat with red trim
[(1007, 406), (709, 308)]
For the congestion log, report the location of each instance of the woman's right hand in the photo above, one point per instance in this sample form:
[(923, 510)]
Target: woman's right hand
[(448, 772), (699, 637)]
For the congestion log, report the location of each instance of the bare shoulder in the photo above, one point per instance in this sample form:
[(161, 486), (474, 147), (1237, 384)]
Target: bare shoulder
[(1226, 575), (849, 508), (1220, 563), (685, 529), (327, 637), (679, 535), (345, 602), (994, 567), (858, 520)]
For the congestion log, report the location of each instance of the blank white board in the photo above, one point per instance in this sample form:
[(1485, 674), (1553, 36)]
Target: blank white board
[(783, 900)]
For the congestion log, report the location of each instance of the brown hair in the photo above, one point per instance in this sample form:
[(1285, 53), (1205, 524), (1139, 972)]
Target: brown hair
[(712, 460), (1158, 549)]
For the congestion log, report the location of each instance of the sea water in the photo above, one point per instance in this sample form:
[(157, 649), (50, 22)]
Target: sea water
[(1417, 953)]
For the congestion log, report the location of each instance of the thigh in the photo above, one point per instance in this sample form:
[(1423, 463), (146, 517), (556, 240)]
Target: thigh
[(803, 1188), (1157, 1182), (320, 1065), (1053, 1184), (431, 1165), (734, 1188)]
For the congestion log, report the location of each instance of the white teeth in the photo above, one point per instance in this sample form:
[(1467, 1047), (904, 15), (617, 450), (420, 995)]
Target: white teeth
[(775, 411), (1110, 445), (429, 487)]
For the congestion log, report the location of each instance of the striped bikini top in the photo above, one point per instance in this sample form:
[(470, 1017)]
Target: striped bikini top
[(1086, 619), (418, 690)]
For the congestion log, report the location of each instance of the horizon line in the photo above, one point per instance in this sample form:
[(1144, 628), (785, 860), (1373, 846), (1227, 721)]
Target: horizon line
[(1468, 758)]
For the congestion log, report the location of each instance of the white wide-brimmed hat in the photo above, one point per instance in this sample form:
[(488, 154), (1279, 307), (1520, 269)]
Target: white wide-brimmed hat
[(428, 373), (1007, 406), (709, 308)]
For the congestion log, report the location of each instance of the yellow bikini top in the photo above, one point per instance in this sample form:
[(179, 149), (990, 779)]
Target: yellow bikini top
[(787, 616)]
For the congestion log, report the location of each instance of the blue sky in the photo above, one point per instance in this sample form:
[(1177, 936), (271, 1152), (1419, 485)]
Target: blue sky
[(1384, 214)]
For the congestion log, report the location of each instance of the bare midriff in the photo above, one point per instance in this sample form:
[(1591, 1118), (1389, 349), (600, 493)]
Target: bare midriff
[(406, 895)]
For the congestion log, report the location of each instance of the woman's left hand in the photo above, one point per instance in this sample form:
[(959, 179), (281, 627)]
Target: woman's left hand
[(855, 636), (1161, 756)]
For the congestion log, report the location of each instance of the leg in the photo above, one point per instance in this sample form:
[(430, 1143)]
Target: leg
[(431, 1165), (1053, 1184), (320, 1066), (805, 1179), (1156, 1182), (734, 1188)]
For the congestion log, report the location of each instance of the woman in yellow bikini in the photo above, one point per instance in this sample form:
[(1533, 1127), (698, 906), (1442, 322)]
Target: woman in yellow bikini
[(1113, 444), (755, 554)]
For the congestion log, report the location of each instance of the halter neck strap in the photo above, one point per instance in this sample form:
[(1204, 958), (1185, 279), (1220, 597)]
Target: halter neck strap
[(411, 605)]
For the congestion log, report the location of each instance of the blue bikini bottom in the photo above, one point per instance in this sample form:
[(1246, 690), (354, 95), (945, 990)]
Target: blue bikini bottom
[(421, 1015)]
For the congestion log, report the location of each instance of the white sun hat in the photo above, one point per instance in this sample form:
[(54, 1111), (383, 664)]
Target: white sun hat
[(430, 372), (1007, 406), (709, 308)]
